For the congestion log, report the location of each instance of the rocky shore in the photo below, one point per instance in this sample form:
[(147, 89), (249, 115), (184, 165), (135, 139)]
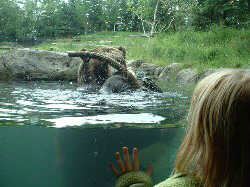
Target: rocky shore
[(29, 64)]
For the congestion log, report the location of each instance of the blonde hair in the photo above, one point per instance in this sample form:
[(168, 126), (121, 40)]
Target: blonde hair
[(216, 147)]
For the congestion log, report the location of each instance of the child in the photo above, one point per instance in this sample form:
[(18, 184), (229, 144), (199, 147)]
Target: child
[(215, 151)]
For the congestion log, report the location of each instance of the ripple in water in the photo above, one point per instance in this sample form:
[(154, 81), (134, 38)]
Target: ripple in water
[(64, 104)]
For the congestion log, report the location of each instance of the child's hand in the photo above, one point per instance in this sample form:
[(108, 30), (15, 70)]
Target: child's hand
[(126, 166)]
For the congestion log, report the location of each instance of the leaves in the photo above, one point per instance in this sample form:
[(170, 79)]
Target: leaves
[(223, 12), (55, 18)]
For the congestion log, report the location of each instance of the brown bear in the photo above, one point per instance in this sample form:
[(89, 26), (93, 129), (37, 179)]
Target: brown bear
[(94, 71)]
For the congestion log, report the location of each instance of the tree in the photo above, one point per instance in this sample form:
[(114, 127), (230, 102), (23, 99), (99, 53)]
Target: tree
[(146, 12), (160, 15), (177, 14), (116, 15), (9, 20), (76, 19), (47, 21), (222, 12), (28, 17)]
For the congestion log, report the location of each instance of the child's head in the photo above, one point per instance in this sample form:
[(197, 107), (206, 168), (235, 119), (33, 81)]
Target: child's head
[(217, 143)]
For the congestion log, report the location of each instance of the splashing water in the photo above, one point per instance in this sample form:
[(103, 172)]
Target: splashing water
[(65, 104)]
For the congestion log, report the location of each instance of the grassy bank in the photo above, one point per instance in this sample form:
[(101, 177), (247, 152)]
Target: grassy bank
[(215, 48), (219, 47)]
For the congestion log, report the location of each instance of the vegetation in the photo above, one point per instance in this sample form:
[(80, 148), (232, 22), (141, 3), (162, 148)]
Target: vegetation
[(203, 33), (25, 20), (218, 47)]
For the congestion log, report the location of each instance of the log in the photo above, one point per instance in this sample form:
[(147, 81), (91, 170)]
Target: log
[(123, 70), (98, 56)]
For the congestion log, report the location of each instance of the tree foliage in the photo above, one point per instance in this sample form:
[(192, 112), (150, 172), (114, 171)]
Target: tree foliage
[(222, 12), (9, 19), (22, 20)]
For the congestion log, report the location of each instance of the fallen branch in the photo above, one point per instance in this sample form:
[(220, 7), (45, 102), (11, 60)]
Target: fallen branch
[(114, 63), (98, 56)]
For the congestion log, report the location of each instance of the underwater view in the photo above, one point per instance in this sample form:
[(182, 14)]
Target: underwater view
[(54, 134)]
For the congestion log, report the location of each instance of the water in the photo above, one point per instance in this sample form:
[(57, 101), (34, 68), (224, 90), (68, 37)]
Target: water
[(55, 134)]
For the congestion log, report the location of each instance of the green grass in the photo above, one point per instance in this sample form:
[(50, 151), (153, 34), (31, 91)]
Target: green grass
[(219, 47), (215, 48)]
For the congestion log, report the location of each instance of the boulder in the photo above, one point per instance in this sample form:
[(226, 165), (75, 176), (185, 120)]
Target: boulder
[(134, 63), (158, 70), (28, 64), (170, 71), (150, 70), (188, 76)]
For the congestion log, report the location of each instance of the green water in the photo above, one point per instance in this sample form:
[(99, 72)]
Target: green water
[(54, 134)]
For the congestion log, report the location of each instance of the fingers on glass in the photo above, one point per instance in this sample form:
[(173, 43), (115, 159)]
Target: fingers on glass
[(125, 165), (111, 165), (126, 158), (135, 162), (149, 170), (119, 162)]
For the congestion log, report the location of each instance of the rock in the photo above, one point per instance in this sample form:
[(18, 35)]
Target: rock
[(150, 70), (207, 72), (169, 71), (188, 76), (28, 64), (23, 64), (3, 74), (158, 70), (135, 63)]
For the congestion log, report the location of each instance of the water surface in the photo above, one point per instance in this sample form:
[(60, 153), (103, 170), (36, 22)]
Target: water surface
[(61, 104)]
